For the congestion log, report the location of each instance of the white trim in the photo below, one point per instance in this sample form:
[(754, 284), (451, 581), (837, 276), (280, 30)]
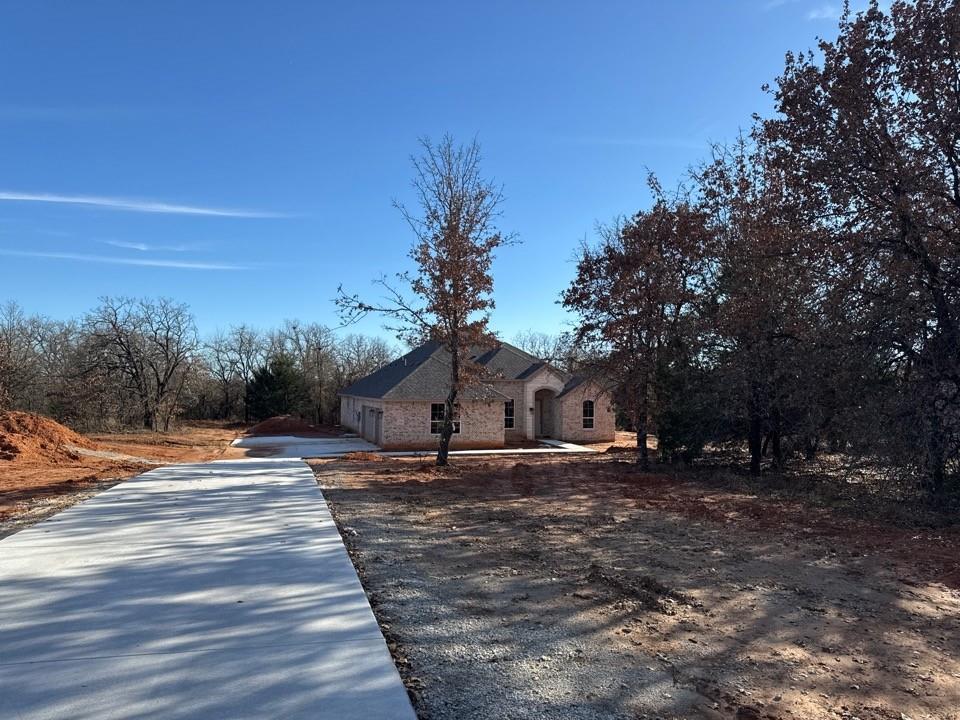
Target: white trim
[(513, 416), (583, 415)]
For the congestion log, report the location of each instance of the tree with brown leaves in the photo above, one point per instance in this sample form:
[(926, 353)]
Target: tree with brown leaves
[(873, 128), (634, 295), (448, 298), (766, 295)]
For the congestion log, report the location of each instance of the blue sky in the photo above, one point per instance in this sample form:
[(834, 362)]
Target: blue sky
[(243, 156)]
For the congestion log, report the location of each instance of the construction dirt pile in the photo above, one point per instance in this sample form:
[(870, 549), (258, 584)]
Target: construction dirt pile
[(283, 425), (45, 467), (25, 437)]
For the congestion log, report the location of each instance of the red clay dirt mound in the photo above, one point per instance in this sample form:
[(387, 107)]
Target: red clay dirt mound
[(284, 425), (28, 437)]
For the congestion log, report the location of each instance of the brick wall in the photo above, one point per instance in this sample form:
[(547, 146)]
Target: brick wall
[(407, 426), (513, 389), (571, 415)]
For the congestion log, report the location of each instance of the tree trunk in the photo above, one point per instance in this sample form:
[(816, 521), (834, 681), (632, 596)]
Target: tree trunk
[(640, 423), (777, 444), (149, 416), (643, 459), (446, 432), (936, 456), (756, 444), (755, 432), (776, 440)]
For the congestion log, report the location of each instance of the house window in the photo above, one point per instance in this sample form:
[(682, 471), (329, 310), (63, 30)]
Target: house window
[(588, 414), (436, 418), (508, 415)]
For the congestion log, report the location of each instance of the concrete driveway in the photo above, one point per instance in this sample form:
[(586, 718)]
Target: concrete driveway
[(290, 446), (220, 590)]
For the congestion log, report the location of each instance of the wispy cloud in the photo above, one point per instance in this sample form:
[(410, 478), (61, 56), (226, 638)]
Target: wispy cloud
[(772, 4), (824, 12), (134, 205), (145, 247), (111, 260)]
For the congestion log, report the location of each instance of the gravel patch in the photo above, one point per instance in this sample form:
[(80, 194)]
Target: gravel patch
[(565, 589)]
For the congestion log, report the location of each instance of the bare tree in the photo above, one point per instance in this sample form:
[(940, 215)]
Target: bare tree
[(150, 344), (452, 286), (311, 348), (23, 358), (222, 366), (359, 355), (557, 349), (6, 374), (137, 363), (248, 351)]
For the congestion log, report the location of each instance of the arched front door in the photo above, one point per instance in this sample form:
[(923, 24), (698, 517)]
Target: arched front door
[(544, 412)]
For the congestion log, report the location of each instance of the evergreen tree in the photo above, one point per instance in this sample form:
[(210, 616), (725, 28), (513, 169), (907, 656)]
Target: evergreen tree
[(277, 388)]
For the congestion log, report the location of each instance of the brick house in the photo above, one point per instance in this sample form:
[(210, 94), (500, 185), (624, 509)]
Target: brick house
[(518, 397)]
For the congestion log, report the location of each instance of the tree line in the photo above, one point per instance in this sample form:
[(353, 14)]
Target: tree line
[(800, 292), (140, 363)]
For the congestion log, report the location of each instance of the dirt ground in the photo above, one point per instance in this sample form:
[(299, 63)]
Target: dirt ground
[(580, 588), (192, 443), (623, 442), (35, 488)]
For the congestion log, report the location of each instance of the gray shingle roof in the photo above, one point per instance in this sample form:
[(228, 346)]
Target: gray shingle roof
[(574, 382), (506, 361), (424, 374), (421, 374)]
